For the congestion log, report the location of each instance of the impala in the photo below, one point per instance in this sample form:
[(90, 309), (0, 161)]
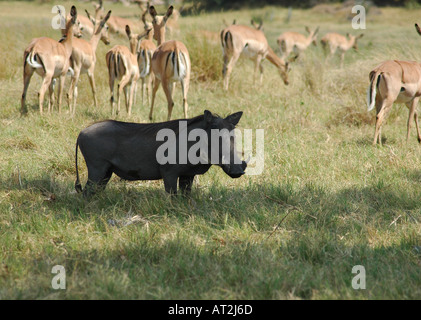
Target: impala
[(145, 53), (294, 41), (240, 40), (170, 63), (50, 59), (116, 24), (334, 41), (395, 81), (83, 59), (122, 65)]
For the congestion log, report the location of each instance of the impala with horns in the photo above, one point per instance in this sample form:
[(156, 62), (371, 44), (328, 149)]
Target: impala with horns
[(395, 81), (83, 59), (240, 40), (116, 24), (170, 63), (50, 59), (122, 65), (290, 41), (334, 41)]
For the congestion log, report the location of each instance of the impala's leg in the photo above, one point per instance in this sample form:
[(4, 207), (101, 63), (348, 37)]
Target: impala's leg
[(132, 96), (44, 86), (384, 109), (168, 89), (73, 89), (412, 105), (155, 88), (416, 125), (342, 58), (60, 90), (143, 91), (257, 63), (122, 86), (27, 75), (228, 66), (111, 84), (184, 89), (51, 98), (91, 77)]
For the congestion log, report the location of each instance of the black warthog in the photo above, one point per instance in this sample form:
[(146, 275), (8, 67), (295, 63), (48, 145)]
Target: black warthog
[(136, 151)]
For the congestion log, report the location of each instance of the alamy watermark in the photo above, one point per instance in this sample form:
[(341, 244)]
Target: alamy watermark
[(358, 21), (59, 280), (358, 282), (217, 146)]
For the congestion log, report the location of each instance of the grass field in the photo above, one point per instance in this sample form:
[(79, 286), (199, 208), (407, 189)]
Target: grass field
[(327, 200)]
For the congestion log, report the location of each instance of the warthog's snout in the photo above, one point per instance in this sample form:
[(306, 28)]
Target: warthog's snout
[(235, 171)]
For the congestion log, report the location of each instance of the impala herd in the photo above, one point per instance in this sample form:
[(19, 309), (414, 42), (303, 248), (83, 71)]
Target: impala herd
[(168, 62)]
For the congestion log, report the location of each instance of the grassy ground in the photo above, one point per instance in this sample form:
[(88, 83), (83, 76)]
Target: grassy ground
[(327, 200)]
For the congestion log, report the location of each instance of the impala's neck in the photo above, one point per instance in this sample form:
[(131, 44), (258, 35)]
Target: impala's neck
[(350, 43), (160, 34), (95, 39), (274, 59), (68, 42)]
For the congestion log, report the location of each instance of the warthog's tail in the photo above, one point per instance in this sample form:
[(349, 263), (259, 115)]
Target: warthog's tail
[(78, 186)]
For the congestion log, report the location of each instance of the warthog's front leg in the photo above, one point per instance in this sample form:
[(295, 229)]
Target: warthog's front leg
[(170, 183), (185, 184)]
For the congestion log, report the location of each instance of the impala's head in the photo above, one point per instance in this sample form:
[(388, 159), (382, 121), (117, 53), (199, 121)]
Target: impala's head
[(354, 39), (147, 24), (99, 9), (101, 28), (255, 25), (284, 69), (418, 29), (159, 22), (71, 23), (134, 39)]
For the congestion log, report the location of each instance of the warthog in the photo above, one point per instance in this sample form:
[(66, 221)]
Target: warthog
[(136, 151)]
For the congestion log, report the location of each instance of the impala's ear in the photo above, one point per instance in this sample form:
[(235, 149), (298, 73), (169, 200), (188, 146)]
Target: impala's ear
[(348, 34), (316, 31), (208, 116), (169, 13), (104, 21), (307, 29), (73, 14), (152, 11), (361, 35), (101, 5), (140, 36), (234, 118), (418, 29), (128, 31)]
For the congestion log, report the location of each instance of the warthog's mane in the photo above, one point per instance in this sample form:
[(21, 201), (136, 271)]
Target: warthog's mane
[(153, 128)]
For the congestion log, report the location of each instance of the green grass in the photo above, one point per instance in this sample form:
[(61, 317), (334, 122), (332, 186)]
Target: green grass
[(327, 200)]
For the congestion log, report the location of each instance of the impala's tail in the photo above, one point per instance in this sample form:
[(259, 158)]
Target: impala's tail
[(180, 64), (34, 60), (146, 57), (226, 41), (372, 90)]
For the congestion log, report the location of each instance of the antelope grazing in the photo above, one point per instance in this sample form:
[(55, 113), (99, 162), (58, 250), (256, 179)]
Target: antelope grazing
[(337, 41), (170, 63), (239, 40), (116, 24), (83, 59), (145, 53), (50, 59), (294, 41), (122, 65), (395, 81)]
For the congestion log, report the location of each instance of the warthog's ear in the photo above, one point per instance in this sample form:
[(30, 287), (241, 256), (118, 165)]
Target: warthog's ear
[(234, 118), (208, 116)]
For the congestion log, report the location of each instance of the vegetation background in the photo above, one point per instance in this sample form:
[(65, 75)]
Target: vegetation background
[(327, 200)]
